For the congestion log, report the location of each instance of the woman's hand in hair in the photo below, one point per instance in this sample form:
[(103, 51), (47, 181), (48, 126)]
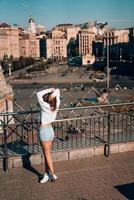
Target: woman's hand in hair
[(51, 97), (52, 89)]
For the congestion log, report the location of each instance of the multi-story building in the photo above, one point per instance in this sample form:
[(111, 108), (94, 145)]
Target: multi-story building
[(33, 46), (29, 44), (24, 44), (85, 42), (9, 41), (72, 33), (117, 40), (122, 36), (40, 29), (16, 42), (56, 45), (63, 27), (116, 36), (131, 43), (109, 38)]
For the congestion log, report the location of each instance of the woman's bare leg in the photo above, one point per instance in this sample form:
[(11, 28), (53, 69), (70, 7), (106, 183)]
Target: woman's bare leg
[(46, 165), (45, 161), (46, 146)]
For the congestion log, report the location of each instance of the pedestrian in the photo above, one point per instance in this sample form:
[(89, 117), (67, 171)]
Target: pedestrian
[(103, 98), (49, 101)]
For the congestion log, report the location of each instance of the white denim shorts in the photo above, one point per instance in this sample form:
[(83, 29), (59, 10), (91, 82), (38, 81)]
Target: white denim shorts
[(46, 133)]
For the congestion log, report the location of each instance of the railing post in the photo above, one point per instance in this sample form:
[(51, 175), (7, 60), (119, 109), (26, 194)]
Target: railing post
[(32, 129), (107, 144), (5, 158), (108, 136)]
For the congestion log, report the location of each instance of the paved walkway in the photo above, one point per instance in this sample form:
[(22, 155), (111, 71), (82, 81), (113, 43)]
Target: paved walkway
[(95, 178)]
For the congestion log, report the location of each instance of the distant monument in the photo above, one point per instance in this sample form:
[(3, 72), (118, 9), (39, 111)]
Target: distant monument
[(6, 96), (31, 25)]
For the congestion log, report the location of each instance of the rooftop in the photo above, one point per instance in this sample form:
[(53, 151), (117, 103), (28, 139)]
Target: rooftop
[(4, 25)]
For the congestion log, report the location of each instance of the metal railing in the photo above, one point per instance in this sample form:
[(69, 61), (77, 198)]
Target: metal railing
[(19, 131)]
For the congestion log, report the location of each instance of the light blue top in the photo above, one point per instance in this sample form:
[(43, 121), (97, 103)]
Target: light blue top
[(47, 115)]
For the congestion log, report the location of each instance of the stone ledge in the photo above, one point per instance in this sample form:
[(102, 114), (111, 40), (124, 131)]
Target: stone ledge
[(128, 146), (60, 155), (99, 150), (114, 148), (81, 153), (68, 155)]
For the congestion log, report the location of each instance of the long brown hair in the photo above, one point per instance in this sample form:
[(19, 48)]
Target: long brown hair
[(51, 102)]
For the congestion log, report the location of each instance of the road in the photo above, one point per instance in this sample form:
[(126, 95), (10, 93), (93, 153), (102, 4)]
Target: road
[(53, 77), (122, 82)]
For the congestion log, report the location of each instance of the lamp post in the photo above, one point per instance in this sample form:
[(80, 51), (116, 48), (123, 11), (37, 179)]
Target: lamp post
[(107, 54), (9, 69), (108, 70)]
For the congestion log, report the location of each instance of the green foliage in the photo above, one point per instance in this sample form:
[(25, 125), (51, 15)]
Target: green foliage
[(37, 67), (22, 76), (16, 64), (22, 62)]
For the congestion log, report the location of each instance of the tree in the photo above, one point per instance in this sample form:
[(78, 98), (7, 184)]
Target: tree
[(72, 48), (4, 63)]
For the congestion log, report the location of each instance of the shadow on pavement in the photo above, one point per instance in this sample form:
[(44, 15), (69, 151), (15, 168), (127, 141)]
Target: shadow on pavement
[(127, 190), (27, 165)]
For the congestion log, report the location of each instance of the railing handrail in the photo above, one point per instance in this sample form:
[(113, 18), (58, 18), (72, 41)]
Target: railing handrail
[(69, 108), (97, 106)]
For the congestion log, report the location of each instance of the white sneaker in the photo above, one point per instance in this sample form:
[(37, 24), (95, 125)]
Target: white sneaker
[(45, 178), (52, 177)]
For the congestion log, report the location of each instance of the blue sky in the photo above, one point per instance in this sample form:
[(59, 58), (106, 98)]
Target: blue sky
[(118, 13)]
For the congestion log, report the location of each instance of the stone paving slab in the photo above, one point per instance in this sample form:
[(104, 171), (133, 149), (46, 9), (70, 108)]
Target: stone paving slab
[(94, 178)]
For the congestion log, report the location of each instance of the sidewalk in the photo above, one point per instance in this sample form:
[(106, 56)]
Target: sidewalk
[(95, 178)]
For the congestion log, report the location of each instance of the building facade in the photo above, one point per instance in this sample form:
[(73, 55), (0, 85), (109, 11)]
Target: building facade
[(9, 41), (116, 36), (131, 43), (16, 42), (117, 40), (40, 29), (72, 33), (63, 27), (56, 45), (28, 45), (85, 42)]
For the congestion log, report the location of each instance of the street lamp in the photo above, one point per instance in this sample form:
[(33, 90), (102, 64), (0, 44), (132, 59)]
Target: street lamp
[(9, 69)]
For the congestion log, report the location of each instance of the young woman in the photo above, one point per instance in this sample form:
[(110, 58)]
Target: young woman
[(49, 101)]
